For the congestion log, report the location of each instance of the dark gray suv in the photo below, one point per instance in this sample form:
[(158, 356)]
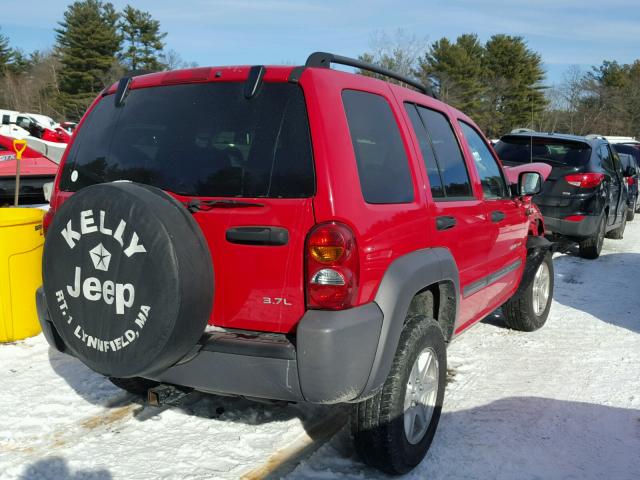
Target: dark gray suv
[(584, 198)]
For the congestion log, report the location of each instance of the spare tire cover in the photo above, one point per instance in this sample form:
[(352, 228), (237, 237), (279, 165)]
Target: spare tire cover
[(128, 278)]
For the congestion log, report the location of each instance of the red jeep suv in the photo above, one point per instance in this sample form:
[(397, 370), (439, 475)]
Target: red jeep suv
[(288, 233)]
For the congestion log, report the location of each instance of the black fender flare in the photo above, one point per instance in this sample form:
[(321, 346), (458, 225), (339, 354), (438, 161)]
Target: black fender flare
[(537, 248), (404, 278)]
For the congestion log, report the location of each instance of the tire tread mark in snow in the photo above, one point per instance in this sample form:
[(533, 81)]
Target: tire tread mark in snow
[(69, 435), (286, 459)]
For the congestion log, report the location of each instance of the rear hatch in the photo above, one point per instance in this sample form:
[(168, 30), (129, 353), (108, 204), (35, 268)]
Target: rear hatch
[(566, 157), (244, 165)]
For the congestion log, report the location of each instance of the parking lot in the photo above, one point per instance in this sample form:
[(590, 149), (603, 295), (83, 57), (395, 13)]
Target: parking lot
[(562, 402)]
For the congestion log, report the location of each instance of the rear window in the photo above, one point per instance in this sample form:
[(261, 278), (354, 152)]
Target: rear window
[(632, 150), (199, 140), (519, 149)]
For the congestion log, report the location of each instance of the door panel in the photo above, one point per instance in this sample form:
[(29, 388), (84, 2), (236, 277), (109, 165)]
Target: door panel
[(507, 221), (615, 185)]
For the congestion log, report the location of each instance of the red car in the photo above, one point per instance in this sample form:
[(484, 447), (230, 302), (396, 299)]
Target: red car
[(308, 235), (35, 170)]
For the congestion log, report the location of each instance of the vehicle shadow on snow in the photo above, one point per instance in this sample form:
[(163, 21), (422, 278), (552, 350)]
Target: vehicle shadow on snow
[(515, 437), (605, 288), (98, 390), (57, 468)]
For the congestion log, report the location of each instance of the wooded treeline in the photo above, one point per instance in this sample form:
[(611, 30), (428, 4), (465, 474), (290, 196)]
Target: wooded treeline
[(500, 83)]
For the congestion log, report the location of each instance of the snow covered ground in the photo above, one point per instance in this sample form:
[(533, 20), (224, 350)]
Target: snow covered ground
[(560, 403)]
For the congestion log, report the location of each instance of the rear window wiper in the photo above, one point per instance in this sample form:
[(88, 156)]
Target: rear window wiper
[(204, 205)]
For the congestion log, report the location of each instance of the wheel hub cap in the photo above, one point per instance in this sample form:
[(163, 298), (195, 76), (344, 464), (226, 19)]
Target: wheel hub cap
[(541, 287), (420, 396)]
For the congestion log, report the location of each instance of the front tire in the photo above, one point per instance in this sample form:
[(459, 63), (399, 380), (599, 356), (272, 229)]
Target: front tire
[(528, 311), (393, 430)]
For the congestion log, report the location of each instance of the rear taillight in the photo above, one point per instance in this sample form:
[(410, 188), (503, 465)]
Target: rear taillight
[(585, 180), (574, 218), (631, 181), (332, 267)]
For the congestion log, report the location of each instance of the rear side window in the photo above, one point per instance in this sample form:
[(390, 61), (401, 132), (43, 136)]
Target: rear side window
[(607, 159), (199, 139), (627, 161), (493, 184), (453, 171), (383, 167), (632, 150)]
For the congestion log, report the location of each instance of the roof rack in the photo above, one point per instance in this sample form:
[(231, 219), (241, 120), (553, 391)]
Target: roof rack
[(324, 60), (594, 136)]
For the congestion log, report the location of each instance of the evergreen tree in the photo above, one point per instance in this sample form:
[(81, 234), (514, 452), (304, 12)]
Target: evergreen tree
[(6, 54), (87, 43), (143, 40), (512, 75), (20, 62), (457, 71)]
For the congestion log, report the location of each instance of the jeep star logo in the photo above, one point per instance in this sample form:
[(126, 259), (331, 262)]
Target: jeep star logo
[(100, 257)]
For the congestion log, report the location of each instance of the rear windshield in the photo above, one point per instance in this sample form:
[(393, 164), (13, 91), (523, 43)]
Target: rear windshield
[(200, 140), (632, 150), (518, 149)]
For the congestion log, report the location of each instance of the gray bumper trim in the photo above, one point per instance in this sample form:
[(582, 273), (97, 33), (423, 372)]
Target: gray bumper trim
[(580, 230), (331, 362)]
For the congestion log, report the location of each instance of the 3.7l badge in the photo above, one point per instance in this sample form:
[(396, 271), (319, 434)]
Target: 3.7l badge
[(276, 301)]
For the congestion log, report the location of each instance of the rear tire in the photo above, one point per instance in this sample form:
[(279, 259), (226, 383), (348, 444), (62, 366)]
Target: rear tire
[(528, 311), (631, 213), (618, 233), (136, 385), (392, 431), (592, 246)]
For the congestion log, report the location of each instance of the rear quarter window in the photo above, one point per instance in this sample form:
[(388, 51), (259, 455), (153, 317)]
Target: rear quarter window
[(383, 166)]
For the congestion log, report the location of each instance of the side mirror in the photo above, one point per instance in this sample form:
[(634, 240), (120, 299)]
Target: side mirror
[(529, 183)]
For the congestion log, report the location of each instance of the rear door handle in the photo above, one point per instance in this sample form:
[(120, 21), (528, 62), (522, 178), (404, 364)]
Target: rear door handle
[(497, 216), (445, 223), (272, 236)]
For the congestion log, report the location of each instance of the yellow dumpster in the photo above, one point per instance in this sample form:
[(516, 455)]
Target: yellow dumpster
[(21, 242)]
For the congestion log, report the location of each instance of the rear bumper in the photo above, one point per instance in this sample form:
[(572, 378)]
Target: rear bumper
[(328, 360), (578, 230)]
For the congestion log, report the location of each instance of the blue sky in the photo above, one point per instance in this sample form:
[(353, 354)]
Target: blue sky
[(223, 32)]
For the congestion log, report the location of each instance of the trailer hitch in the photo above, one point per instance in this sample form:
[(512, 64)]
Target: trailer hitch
[(163, 394)]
